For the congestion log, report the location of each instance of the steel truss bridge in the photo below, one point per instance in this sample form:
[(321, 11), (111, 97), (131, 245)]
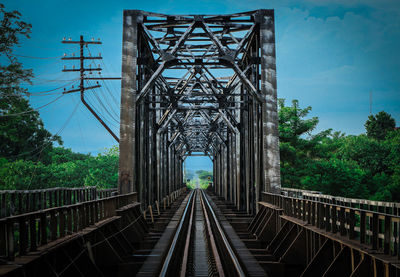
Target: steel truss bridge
[(203, 84), (197, 85)]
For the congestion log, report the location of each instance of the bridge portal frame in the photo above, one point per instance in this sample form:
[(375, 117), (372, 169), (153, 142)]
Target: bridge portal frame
[(164, 119)]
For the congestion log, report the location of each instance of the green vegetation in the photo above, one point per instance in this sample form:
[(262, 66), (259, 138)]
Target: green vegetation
[(379, 125), (64, 169), (201, 177), (205, 178), (363, 166)]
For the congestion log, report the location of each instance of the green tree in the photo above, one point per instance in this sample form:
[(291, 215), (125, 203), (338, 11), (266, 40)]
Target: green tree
[(393, 143), (379, 125), (12, 74), (205, 175), (369, 153), (298, 147), (22, 175), (22, 133), (336, 177), (103, 170)]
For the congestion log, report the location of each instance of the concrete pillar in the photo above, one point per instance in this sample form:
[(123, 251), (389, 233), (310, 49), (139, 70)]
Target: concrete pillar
[(128, 104), (270, 136)]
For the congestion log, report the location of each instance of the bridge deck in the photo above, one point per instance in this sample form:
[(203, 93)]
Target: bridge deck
[(289, 236)]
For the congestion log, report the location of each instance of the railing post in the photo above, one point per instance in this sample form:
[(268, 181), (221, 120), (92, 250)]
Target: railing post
[(27, 202), (87, 214), (76, 219), (81, 217), (51, 198), (334, 218), (44, 199), (13, 205), (10, 240), (313, 213), (3, 238), (375, 231), (342, 220), (33, 233), (23, 235), (34, 201), (388, 234), (20, 201), (352, 223), (43, 228), (69, 221), (3, 204), (53, 225), (327, 217), (40, 199), (61, 215), (56, 198)]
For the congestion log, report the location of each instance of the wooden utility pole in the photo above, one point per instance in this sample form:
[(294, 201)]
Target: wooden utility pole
[(82, 71)]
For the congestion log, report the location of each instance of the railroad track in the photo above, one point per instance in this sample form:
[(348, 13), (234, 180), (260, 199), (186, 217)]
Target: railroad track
[(199, 246)]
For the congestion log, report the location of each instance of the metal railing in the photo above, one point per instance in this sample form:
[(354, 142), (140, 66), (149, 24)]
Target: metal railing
[(373, 229), (392, 208), (15, 202), (21, 234)]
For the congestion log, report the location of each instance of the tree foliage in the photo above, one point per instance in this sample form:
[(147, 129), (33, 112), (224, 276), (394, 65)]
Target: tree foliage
[(205, 175), (379, 125), (362, 166), (64, 168), (22, 132), (11, 29)]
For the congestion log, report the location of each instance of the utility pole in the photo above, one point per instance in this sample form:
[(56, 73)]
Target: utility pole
[(82, 71)]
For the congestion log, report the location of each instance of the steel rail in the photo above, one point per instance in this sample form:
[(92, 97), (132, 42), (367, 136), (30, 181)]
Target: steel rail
[(214, 249), (173, 248), (231, 253), (187, 243)]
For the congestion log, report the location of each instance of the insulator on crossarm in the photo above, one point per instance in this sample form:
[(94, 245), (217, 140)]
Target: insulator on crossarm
[(92, 39), (65, 67), (73, 67), (69, 38), (99, 54), (63, 38), (65, 54)]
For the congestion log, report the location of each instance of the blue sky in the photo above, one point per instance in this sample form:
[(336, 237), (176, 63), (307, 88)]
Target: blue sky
[(330, 55)]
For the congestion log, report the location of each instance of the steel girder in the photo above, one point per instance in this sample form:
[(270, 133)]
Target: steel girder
[(199, 84)]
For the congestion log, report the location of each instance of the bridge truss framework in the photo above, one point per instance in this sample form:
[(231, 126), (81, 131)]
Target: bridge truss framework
[(199, 84)]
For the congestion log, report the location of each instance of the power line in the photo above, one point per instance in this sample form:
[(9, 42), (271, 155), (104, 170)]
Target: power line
[(103, 106), (82, 71), (32, 57), (33, 109), (45, 91)]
